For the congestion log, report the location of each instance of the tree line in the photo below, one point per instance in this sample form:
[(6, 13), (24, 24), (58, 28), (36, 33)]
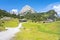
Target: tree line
[(36, 17), (51, 14), (4, 13)]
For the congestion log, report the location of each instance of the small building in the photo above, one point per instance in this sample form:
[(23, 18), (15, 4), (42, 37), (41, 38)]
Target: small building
[(48, 20), (22, 20)]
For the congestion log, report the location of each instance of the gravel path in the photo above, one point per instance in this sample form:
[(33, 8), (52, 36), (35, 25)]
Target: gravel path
[(8, 34)]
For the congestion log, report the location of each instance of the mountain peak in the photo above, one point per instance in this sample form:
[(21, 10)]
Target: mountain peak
[(27, 8)]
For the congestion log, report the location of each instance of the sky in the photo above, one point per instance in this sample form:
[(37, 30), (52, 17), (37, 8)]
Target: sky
[(38, 5)]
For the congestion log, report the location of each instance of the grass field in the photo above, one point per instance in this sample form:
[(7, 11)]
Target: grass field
[(39, 31), (11, 23), (2, 28), (8, 23)]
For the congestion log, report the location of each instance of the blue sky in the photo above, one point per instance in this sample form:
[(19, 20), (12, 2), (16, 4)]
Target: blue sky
[(38, 5)]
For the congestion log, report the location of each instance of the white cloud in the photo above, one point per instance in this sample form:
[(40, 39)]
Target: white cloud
[(54, 6), (15, 11), (57, 8)]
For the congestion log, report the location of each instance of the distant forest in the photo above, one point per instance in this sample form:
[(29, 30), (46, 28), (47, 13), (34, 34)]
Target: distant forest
[(51, 14), (4, 13)]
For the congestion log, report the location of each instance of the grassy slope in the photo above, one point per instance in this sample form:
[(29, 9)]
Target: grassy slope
[(11, 23), (39, 31), (8, 23), (2, 28)]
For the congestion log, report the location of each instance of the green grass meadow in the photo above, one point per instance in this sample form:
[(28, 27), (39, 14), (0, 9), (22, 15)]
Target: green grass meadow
[(39, 31), (8, 23), (11, 23)]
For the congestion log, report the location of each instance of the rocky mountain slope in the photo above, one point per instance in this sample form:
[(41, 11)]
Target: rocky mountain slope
[(26, 9)]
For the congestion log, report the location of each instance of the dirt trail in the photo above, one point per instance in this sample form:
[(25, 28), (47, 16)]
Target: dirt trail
[(8, 34)]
